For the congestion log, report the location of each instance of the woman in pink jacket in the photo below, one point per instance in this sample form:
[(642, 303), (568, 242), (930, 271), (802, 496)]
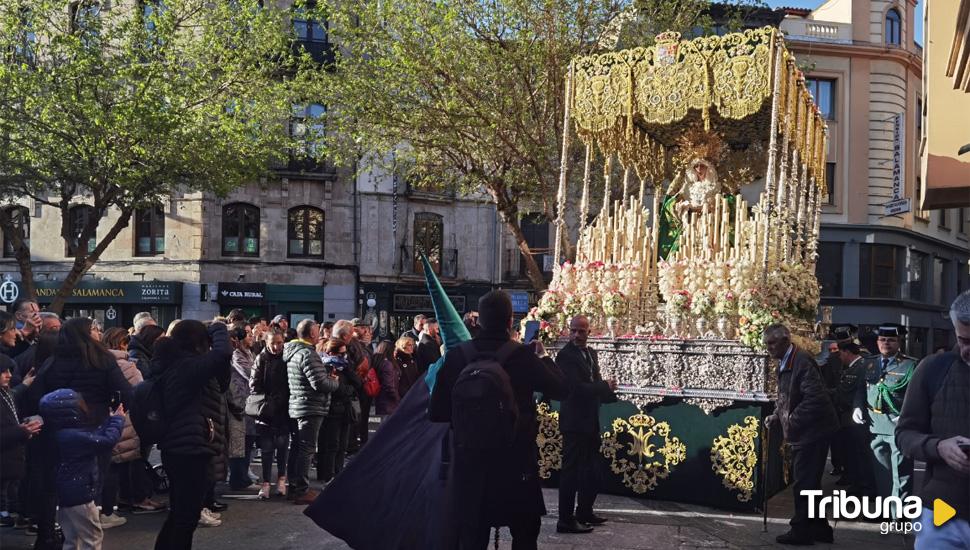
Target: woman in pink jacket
[(129, 467)]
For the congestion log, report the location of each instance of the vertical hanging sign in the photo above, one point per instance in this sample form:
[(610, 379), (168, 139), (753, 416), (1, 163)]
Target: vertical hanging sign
[(394, 183), (898, 204), (897, 156)]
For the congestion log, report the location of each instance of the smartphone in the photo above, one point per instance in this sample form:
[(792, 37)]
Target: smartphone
[(35, 418), (531, 331), (115, 399), (965, 447)]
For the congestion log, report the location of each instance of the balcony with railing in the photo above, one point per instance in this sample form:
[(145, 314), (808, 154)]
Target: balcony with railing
[(445, 264), (817, 31)]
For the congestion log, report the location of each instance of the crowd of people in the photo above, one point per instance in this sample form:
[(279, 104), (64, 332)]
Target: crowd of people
[(77, 402), (72, 457)]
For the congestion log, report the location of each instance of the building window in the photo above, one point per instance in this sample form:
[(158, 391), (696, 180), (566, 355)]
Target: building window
[(535, 229), (304, 228), (940, 268), (149, 231), (78, 217), (879, 271), (894, 27), (963, 225), (240, 230), (828, 269), (830, 183), (307, 29), (429, 231), (20, 218), (917, 276), (823, 90), (86, 19), (944, 219), (307, 128)]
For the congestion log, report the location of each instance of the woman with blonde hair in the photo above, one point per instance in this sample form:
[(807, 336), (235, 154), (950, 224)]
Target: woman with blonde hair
[(403, 356)]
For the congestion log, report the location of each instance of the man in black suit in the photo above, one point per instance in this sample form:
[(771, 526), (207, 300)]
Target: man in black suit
[(579, 424)]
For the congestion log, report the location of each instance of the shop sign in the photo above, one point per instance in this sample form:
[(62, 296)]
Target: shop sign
[(420, 303), (9, 291), (520, 302), (100, 292), (241, 293)]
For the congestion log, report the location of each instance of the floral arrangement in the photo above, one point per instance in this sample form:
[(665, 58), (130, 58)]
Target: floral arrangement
[(595, 289), (726, 304), (788, 295), (615, 304), (702, 305), (679, 304)]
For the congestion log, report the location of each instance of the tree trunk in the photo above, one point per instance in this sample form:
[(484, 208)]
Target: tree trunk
[(21, 253), (508, 210), (84, 260)]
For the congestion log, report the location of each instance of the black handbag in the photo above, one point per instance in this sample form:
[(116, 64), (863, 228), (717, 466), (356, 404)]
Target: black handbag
[(257, 404)]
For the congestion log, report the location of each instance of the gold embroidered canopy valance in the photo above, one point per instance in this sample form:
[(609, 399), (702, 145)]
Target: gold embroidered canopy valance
[(648, 97)]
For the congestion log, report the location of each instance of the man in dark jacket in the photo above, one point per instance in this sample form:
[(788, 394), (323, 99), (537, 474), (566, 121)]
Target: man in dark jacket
[(415, 332), (310, 388), (580, 426), (808, 419), (934, 426), (429, 346), (497, 488)]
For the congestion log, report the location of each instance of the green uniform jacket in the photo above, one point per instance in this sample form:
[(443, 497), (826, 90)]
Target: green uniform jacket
[(885, 390), (852, 387)]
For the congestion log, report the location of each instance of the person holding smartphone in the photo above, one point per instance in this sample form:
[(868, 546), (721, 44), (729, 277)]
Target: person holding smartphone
[(934, 426)]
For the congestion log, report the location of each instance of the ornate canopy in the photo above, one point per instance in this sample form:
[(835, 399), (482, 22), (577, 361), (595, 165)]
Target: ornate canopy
[(633, 102)]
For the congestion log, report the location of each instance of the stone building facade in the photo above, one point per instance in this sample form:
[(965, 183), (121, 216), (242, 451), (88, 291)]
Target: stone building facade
[(881, 259)]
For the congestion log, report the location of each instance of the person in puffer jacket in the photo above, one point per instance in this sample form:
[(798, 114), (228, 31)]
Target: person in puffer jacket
[(128, 468), (78, 477), (310, 387), (193, 367)]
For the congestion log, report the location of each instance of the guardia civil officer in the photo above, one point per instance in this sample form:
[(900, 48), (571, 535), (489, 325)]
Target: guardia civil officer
[(887, 376)]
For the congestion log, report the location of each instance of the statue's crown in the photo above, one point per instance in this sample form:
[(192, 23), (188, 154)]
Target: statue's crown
[(668, 37)]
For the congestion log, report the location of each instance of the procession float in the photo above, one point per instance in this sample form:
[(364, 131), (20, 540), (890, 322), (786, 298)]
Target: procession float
[(712, 154)]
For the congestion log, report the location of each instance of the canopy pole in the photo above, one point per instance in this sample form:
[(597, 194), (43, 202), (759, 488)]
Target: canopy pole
[(769, 194), (563, 170), (584, 202)]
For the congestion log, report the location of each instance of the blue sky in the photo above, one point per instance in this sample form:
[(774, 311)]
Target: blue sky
[(812, 4)]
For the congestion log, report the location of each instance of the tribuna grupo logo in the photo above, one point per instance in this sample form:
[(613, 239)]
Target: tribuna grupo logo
[(898, 515)]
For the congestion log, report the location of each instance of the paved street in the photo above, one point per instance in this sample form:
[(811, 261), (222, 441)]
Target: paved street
[(635, 524)]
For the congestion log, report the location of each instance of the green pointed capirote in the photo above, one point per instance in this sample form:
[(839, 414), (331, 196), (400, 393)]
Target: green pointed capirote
[(453, 329)]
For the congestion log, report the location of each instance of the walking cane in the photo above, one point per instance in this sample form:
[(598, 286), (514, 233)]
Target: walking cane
[(765, 440)]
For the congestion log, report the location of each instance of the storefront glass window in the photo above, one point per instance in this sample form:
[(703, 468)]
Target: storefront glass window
[(917, 276), (828, 270), (879, 272), (240, 230)]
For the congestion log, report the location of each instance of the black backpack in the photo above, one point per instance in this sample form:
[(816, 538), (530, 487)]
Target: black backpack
[(483, 410), (147, 410)]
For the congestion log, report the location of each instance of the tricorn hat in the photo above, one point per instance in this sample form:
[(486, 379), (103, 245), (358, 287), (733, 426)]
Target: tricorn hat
[(845, 331), (891, 330)]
